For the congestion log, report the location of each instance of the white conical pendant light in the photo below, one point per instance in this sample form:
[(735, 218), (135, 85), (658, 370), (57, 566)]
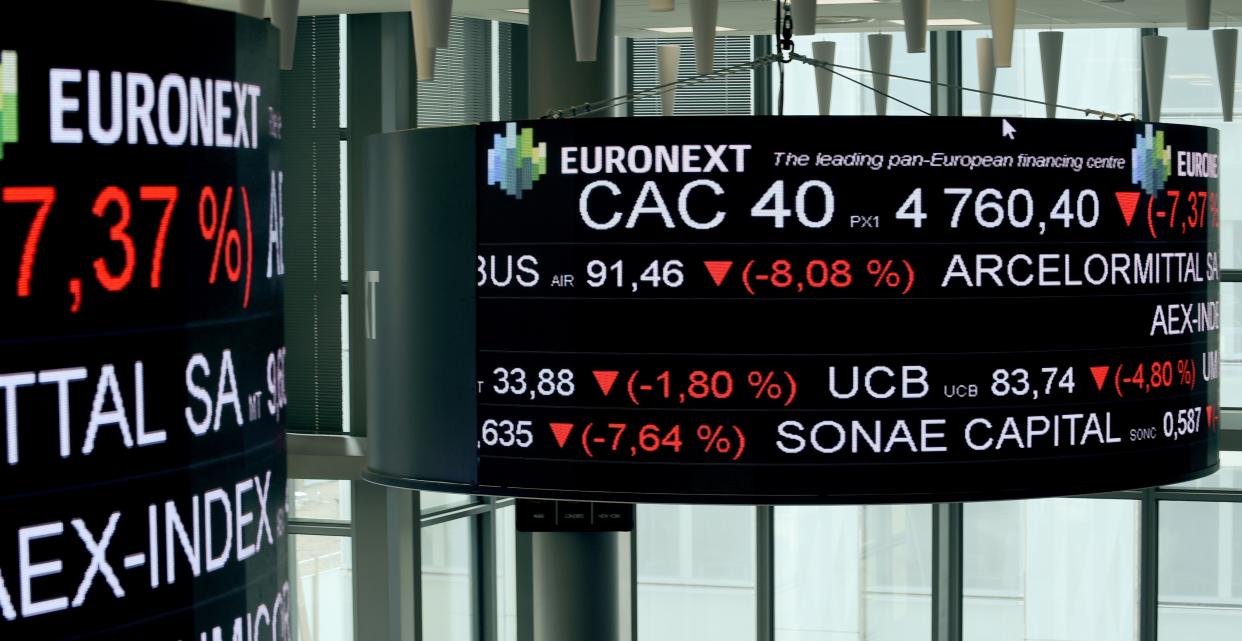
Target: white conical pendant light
[(1226, 42), (431, 22), (669, 56), (914, 14), (987, 75), (703, 22), (1003, 13), (1198, 14), (803, 17), (252, 8), (425, 59), (585, 15), (880, 46), (824, 51), (285, 17), (1050, 45), (1155, 51)]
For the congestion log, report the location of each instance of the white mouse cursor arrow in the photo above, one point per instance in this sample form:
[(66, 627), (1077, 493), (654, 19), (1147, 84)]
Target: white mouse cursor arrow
[(1007, 129)]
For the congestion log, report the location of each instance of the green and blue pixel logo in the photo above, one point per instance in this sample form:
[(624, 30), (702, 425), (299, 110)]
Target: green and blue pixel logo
[(1152, 161), (8, 99), (515, 162)]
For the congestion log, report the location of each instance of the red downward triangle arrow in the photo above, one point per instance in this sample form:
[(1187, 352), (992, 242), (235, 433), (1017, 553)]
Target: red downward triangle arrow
[(1100, 372), (561, 432), (718, 269), (1129, 202), (605, 380)]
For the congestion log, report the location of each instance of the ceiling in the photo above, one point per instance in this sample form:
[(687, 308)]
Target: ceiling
[(755, 16)]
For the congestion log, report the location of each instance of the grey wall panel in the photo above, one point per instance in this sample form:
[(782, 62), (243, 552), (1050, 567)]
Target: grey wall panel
[(419, 288)]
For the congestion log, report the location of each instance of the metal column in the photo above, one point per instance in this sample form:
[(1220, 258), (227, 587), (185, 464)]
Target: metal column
[(577, 586), (765, 573), (947, 572), (576, 576), (1149, 565), (946, 67)]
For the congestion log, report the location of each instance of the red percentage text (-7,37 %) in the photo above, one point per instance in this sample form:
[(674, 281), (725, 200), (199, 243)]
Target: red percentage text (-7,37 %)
[(114, 268)]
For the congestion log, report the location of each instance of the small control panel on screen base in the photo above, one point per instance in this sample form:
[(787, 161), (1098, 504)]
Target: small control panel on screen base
[(794, 310), (573, 516)]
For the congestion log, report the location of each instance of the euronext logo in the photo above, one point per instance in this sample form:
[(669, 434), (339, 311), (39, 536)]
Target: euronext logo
[(515, 162), (1152, 161), (8, 99)]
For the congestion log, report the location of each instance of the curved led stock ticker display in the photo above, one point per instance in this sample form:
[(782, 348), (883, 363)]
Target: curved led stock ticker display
[(142, 473), (842, 309)]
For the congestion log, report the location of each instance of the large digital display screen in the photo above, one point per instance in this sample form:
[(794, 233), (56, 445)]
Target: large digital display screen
[(142, 453), (839, 309)]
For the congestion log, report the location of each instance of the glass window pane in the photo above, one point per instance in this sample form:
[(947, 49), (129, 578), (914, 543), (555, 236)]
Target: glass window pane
[(1228, 478), (849, 98), (847, 573), (1230, 345), (324, 587), (506, 574), (993, 567), (897, 555), (1200, 571), (818, 589), (800, 92), (461, 91), (1099, 70), (731, 94), (1236, 580), (448, 581), (696, 573), (1082, 569), (344, 153), (343, 34), (903, 63), (345, 395), (437, 501), (319, 500), (1190, 572), (1064, 569)]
